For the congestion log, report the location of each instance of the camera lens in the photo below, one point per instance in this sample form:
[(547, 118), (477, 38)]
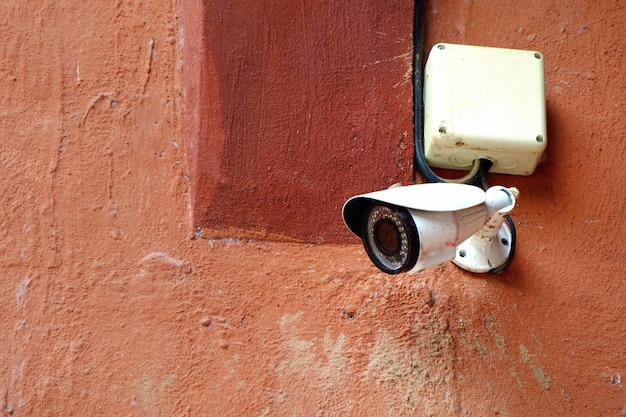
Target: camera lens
[(387, 237), (390, 238)]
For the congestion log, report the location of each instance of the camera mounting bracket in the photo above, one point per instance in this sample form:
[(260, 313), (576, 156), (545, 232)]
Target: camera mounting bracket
[(487, 250)]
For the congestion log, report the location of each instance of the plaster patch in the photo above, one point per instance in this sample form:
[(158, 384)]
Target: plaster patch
[(20, 294), (150, 392), (491, 321), (399, 368), (540, 375), (302, 363)]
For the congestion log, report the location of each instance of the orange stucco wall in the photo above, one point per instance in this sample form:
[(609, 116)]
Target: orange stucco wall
[(123, 131)]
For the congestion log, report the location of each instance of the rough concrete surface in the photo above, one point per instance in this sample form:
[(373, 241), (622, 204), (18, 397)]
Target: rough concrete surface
[(113, 303)]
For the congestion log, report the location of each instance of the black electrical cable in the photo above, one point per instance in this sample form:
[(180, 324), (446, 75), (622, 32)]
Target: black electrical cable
[(418, 107), (485, 166)]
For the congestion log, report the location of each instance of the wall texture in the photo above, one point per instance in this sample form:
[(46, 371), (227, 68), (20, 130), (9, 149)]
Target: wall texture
[(124, 129)]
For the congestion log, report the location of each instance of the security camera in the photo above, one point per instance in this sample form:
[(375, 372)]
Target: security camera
[(411, 228)]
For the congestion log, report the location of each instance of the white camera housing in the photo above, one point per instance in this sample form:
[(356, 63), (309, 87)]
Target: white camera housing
[(409, 229)]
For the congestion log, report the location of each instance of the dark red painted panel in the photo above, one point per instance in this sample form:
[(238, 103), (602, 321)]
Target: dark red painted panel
[(292, 101)]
